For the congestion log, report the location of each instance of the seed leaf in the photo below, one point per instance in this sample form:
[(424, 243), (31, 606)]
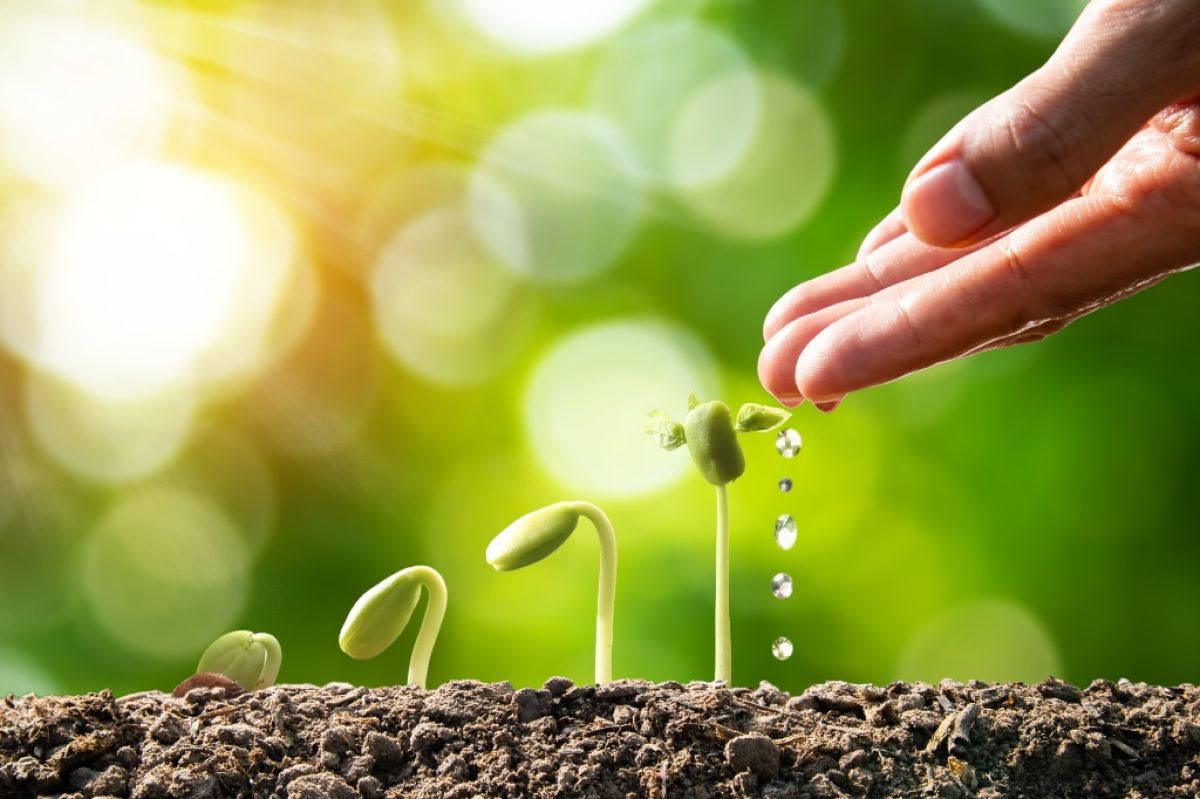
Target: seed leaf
[(667, 432), (755, 418), (693, 400)]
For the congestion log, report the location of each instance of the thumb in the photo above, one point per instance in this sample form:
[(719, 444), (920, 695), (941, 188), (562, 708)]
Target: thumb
[(1038, 143)]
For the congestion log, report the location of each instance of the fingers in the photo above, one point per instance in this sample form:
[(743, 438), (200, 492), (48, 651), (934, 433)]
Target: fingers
[(890, 228), (777, 361), (1085, 254), (896, 261), (1037, 144)]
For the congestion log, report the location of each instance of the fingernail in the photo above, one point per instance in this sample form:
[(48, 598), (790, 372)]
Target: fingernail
[(946, 204), (790, 400), (828, 407)]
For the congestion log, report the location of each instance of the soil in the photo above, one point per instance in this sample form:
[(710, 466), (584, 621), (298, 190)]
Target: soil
[(622, 740)]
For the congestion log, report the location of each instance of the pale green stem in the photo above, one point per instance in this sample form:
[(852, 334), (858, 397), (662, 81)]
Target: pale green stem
[(724, 657), (270, 670), (606, 596), (418, 665)]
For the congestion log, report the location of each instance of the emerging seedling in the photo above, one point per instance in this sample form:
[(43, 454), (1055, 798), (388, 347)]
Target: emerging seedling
[(249, 659), (710, 433), (535, 535), (382, 613)]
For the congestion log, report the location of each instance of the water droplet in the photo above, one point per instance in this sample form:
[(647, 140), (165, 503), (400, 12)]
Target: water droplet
[(781, 585), (788, 443), (785, 484), (785, 531), (781, 648)]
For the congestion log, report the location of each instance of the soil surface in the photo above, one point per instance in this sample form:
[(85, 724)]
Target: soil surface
[(622, 740)]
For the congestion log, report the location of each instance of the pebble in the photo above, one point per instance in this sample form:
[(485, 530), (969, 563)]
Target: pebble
[(532, 703)]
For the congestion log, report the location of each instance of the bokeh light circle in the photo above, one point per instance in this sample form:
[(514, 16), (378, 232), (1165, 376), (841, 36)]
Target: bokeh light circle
[(787, 168), (442, 307), (146, 270), (933, 120), (996, 640), (164, 572), (1041, 19), (107, 440), (590, 396), (78, 94), (647, 76), (554, 196), (542, 26)]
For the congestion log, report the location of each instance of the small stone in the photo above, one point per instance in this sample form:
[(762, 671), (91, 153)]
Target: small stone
[(370, 788), (753, 752), (532, 704)]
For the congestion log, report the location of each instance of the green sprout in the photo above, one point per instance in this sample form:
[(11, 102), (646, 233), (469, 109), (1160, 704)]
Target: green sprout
[(535, 535), (249, 659), (710, 433), (382, 613)]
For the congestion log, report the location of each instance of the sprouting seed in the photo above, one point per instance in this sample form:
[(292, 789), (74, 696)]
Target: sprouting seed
[(382, 613), (249, 659), (710, 432), (538, 533)]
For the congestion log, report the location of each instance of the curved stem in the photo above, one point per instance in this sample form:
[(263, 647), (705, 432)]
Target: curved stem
[(418, 665), (271, 661), (724, 658), (607, 593)]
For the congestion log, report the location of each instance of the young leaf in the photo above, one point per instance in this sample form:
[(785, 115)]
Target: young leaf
[(693, 400), (755, 418), (532, 537), (667, 432)]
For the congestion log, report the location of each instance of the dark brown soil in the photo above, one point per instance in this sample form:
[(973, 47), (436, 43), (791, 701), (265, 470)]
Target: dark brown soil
[(623, 740)]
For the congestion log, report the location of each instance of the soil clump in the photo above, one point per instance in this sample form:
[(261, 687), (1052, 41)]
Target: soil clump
[(624, 740)]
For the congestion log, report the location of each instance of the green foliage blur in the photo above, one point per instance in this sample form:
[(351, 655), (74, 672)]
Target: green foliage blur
[(1025, 511)]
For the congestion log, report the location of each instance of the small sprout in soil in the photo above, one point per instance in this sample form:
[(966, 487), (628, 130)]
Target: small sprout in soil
[(535, 535), (249, 659), (710, 432), (382, 613)]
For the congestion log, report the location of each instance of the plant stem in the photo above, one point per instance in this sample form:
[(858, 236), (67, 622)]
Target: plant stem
[(274, 656), (418, 665), (607, 593), (724, 658)]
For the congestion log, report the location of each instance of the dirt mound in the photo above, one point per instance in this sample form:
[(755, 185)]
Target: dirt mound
[(623, 740)]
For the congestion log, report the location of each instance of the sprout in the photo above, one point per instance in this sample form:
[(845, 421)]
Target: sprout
[(249, 659), (382, 613), (535, 535), (710, 433)]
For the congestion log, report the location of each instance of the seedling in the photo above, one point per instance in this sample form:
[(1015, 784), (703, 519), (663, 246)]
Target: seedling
[(710, 433), (249, 659), (382, 613), (535, 535)]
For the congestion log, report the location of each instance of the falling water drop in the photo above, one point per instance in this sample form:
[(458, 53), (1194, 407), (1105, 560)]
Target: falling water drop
[(781, 648), (788, 443), (781, 585), (785, 484), (785, 531)]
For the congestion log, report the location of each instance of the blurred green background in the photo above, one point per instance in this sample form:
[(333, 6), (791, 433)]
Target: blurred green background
[(293, 295)]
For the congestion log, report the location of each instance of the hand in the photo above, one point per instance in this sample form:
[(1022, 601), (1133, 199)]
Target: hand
[(1077, 187)]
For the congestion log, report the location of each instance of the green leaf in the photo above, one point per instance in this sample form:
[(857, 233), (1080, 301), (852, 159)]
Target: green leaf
[(693, 400), (667, 432), (755, 418), (533, 536), (380, 615)]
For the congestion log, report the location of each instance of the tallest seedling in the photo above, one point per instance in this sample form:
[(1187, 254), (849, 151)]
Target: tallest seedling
[(710, 433)]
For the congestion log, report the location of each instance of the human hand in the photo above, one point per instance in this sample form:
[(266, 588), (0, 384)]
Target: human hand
[(1077, 187)]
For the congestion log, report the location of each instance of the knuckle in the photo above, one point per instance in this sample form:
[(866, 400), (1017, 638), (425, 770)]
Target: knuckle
[(1040, 144)]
